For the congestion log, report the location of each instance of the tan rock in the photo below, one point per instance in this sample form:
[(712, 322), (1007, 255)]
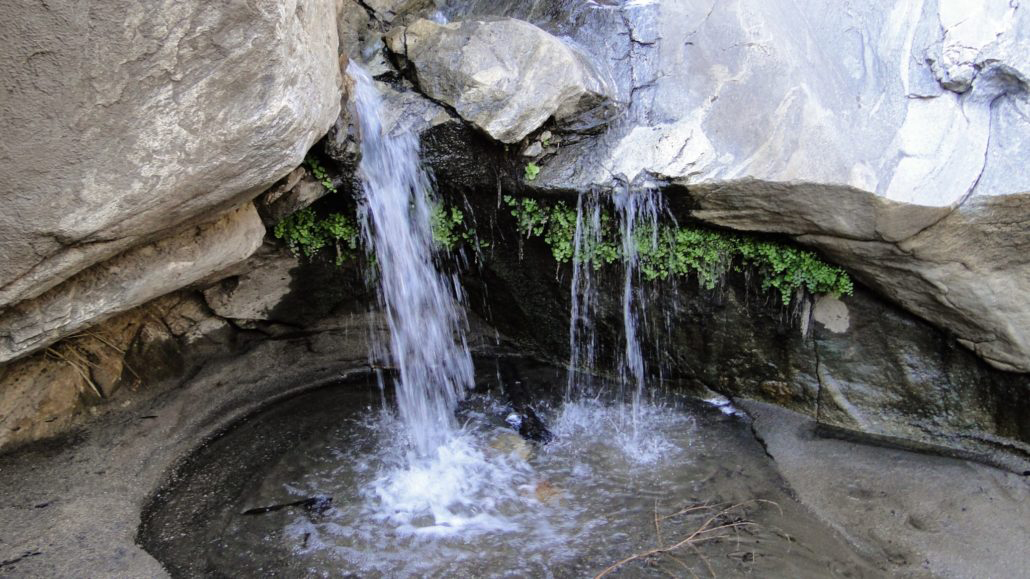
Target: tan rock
[(138, 119), (129, 280)]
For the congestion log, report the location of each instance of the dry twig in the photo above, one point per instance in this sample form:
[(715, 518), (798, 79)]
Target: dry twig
[(709, 530), (82, 372)]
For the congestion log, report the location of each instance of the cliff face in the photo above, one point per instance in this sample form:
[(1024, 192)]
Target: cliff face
[(893, 141), (139, 140)]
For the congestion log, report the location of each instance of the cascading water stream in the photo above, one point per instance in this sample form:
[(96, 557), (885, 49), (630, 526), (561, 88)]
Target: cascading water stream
[(421, 305), (637, 211), (638, 222), (582, 336)]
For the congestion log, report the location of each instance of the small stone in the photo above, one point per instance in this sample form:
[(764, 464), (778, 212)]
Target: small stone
[(513, 444), (534, 150), (546, 492)]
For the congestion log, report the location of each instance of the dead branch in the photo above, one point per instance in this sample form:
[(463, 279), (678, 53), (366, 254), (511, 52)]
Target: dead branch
[(709, 530)]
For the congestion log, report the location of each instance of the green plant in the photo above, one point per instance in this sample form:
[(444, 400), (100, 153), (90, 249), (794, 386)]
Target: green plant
[(445, 225), (306, 234), (556, 223), (319, 172), (671, 250), (789, 269), (532, 170), (450, 230)]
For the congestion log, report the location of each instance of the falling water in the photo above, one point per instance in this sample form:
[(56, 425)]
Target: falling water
[(421, 305), (638, 210), (638, 220), (582, 336)]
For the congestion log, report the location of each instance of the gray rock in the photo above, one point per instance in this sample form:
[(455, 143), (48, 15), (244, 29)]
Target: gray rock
[(388, 10), (505, 76), (535, 149), (255, 293), (130, 280), (125, 122), (964, 269), (352, 27), (927, 516), (290, 196), (792, 118)]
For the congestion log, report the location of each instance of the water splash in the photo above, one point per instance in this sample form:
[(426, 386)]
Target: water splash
[(421, 304)]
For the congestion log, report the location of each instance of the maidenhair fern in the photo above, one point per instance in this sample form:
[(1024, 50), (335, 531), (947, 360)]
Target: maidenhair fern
[(305, 233), (679, 251)]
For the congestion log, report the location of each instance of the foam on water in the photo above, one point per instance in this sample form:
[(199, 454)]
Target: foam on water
[(579, 419), (461, 490), (487, 503)]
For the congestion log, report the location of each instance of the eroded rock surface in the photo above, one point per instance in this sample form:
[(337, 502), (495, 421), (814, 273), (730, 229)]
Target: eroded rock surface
[(52, 392), (505, 76), (129, 280), (125, 122), (964, 269), (857, 364)]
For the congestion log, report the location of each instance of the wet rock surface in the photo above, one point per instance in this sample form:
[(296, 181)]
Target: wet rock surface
[(881, 120), (859, 363), (917, 515)]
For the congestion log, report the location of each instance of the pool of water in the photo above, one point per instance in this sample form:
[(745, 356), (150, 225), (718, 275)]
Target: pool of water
[(323, 485)]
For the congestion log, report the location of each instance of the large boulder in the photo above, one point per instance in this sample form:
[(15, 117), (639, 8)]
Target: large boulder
[(128, 121), (963, 268), (895, 141), (507, 77)]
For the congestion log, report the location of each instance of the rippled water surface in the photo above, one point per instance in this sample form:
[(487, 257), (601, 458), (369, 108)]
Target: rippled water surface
[(488, 503)]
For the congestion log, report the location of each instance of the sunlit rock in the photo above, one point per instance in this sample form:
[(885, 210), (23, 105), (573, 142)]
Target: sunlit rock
[(505, 76)]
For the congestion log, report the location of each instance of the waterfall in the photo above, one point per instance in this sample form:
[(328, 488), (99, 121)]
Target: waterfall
[(637, 211), (638, 224), (582, 336), (421, 305)]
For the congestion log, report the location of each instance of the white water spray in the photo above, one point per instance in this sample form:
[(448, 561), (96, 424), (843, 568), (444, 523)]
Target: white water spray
[(422, 306)]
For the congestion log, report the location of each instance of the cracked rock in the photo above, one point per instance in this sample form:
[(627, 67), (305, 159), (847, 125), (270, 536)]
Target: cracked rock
[(507, 77)]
